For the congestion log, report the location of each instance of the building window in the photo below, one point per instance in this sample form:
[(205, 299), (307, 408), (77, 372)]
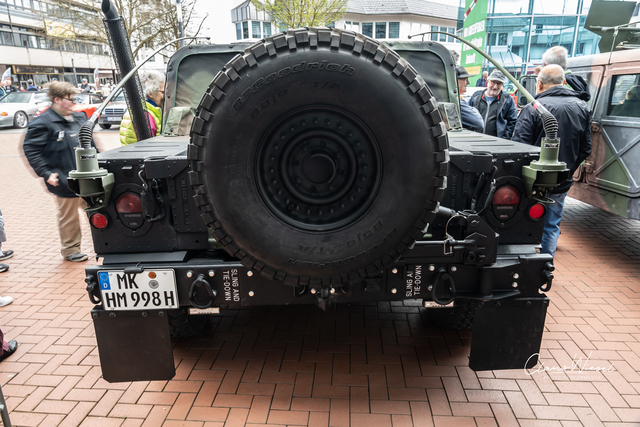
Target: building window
[(255, 29), (503, 38), (443, 37), (434, 37), (451, 30), (394, 30), (245, 30), (347, 25), (367, 29), (539, 28), (580, 50), (266, 29), (5, 38), (238, 31), (331, 24), (381, 30), (355, 27)]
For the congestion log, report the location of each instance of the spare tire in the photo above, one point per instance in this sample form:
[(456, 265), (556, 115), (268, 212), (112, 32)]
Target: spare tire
[(318, 156)]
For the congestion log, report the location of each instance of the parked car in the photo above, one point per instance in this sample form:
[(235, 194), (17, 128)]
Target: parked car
[(85, 103), (17, 109), (112, 114)]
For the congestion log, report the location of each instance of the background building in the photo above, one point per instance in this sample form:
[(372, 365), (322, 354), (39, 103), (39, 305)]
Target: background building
[(250, 25), (32, 46), (520, 31), (399, 19), (389, 21)]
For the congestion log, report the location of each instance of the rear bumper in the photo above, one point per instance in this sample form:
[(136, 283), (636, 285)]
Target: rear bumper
[(510, 311)]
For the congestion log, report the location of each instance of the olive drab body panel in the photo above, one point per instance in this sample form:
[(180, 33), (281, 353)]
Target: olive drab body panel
[(610, 177)]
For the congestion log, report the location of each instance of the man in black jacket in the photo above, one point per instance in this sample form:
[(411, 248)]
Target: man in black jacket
[(49, 147), (574, 132)]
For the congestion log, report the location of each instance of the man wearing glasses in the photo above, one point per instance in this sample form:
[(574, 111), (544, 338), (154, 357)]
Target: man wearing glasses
[(49, 147), (497, 108)]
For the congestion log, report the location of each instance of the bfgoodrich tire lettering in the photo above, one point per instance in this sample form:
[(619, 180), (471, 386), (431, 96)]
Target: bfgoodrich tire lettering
[(318, 156)]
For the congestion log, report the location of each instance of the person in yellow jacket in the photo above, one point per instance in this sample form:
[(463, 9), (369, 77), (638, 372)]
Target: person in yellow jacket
[(153, 86)]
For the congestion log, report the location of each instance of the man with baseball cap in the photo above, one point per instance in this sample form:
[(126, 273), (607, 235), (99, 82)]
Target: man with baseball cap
[(471, 118), (497, 108)]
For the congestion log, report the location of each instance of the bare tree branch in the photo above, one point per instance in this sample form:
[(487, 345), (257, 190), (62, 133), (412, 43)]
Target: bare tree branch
[(148, 22)]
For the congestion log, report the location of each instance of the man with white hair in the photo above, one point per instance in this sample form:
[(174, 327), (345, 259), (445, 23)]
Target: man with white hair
[(153, 86), (5, 88), (558, 55), (574, 132), (482, 82)]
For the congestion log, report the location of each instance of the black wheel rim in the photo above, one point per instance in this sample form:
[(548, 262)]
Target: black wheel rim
[(319, 168)]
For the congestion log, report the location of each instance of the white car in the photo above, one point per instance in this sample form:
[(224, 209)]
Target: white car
[(17, 108)]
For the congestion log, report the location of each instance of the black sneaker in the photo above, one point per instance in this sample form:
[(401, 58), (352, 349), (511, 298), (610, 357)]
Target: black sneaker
[(13, 346), (77, 257), (5, 255), (3, 268)]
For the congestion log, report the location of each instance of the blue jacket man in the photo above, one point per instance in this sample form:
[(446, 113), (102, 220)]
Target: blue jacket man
[(470, 117), (497, 108), (482, 82)]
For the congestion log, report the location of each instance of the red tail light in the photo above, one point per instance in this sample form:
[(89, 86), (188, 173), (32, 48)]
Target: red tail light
[(129, 203), (99, 221), (506, 195), (537, 211)]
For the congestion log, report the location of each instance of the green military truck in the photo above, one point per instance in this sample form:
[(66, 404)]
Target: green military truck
[(322, 167), (610, 177)]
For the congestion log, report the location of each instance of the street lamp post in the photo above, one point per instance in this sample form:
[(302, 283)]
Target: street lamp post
[(75, 77)]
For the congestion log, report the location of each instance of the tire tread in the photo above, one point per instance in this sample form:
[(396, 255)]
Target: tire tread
[(332, 39)]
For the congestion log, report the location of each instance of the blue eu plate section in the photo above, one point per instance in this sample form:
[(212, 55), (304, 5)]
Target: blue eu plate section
[(103, 277)]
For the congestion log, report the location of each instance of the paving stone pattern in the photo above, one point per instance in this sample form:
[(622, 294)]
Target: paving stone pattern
[(362, 365)]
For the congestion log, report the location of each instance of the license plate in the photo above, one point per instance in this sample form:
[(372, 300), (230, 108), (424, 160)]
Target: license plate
[(114, 119), (151, 289)]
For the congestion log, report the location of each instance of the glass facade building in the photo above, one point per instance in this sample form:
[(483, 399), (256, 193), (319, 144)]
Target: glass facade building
[(520, 31)]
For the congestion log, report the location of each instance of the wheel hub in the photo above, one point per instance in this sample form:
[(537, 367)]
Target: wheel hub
[(319, 168)]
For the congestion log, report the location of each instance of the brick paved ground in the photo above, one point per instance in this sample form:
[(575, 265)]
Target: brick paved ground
[(377, 365)]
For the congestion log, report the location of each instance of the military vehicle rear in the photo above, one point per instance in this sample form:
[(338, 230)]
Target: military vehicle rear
[(317, 166)]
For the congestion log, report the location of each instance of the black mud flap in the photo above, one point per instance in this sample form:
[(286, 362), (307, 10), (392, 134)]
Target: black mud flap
[(134, 345), (507, 333)]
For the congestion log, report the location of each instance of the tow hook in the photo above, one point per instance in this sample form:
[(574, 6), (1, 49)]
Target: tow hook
[(446, 279), (93, 289), (323, 298), (548, 275), (201, 282)]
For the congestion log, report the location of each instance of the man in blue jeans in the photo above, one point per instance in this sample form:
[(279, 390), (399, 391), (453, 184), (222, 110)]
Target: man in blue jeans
[(574, 132)]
